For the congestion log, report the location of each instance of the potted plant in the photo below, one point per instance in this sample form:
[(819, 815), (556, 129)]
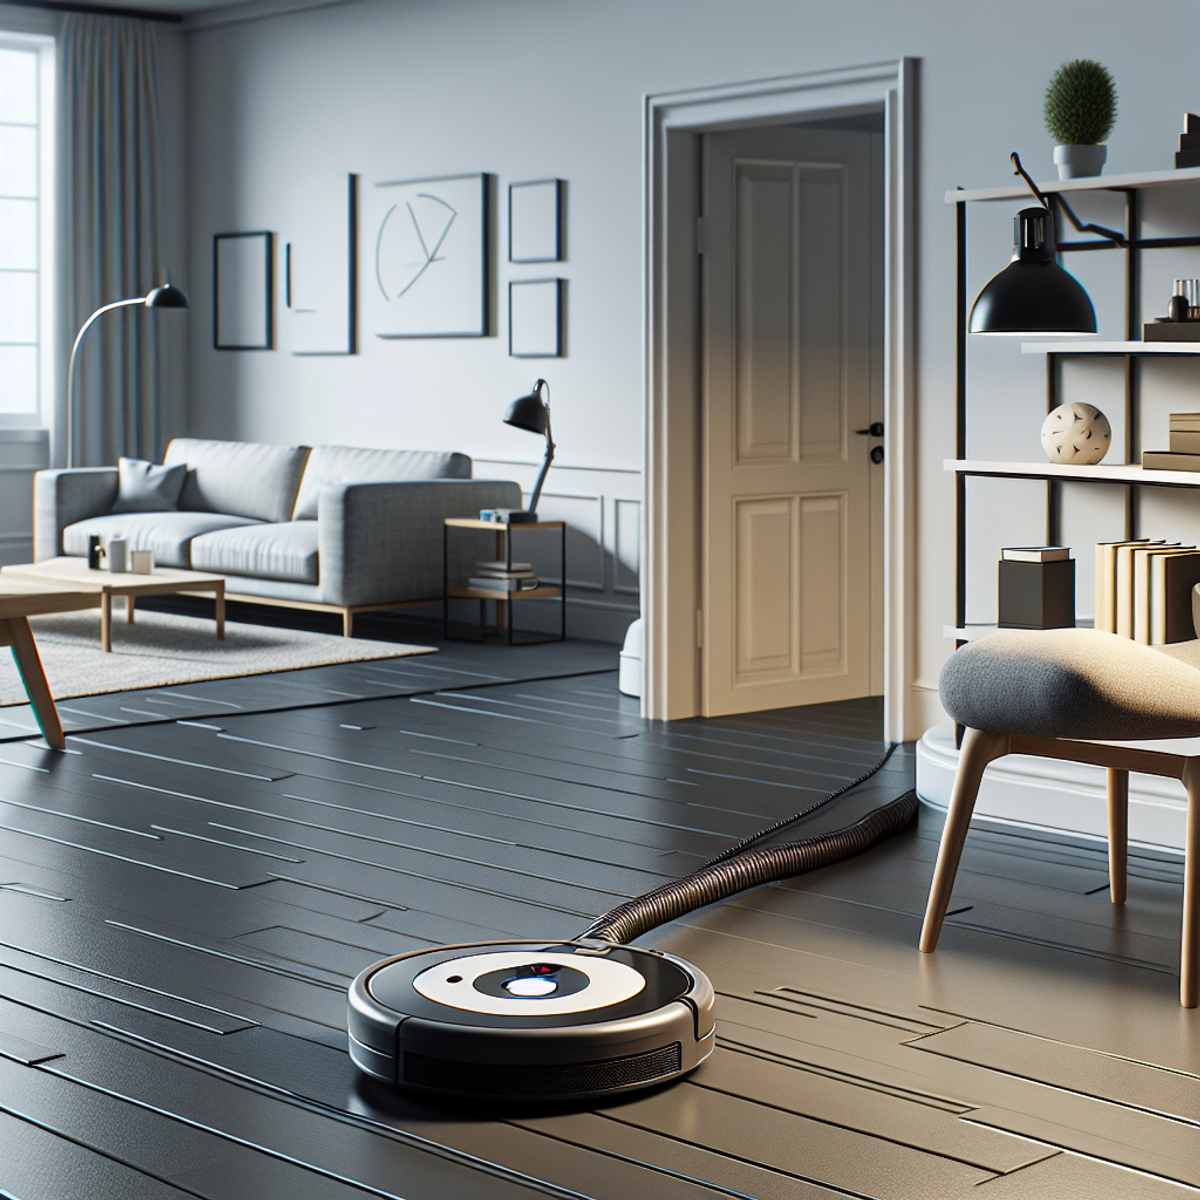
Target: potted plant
[(1081, 109)]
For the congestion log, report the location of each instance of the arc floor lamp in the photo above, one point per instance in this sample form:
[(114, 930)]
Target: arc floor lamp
[(166, 296)]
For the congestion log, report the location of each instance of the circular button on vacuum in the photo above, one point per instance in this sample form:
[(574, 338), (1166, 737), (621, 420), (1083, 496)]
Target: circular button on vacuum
[(531, 985)]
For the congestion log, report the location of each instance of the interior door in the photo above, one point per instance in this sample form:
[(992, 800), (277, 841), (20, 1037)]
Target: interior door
[(791, 554)]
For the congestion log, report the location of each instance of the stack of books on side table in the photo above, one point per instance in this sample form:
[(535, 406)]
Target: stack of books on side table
[(1184, 454), (1144, 590), (1037, 587), (499, 576)]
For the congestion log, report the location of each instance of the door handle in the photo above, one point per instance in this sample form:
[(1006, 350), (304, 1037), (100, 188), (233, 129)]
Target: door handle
[(875, 429)]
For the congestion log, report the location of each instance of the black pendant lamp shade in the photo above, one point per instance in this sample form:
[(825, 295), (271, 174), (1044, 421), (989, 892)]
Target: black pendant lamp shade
[(1033, 294), (166, 296)]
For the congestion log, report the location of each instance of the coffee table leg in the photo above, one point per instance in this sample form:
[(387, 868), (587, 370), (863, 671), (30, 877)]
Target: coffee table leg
[(19, 636), (106, 622), (220, 607), (129, 609)]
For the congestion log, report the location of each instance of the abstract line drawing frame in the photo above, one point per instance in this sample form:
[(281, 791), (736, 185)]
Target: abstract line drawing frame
[(535, 221), (321, 277), (535, 318), (428, 273), (244, 291)]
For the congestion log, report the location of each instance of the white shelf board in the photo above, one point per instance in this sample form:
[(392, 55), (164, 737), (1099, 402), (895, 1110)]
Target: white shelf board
[(1122, 473), (1094, 183), (1093, 347), (969, 632)]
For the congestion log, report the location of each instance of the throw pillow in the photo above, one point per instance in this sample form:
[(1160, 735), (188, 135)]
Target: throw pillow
[(146, 487)]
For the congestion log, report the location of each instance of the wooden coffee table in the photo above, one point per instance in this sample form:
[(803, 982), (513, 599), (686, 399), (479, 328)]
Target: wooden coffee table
[(21, 599), (68, 572)]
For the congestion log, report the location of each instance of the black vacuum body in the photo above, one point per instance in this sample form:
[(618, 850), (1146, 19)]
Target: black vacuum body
[(531, 1020)]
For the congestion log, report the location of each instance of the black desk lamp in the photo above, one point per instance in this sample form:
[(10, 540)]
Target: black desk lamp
[(532, 413), (166, 296)]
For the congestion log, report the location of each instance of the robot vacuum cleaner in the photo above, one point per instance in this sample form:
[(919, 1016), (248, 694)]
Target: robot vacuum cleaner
[(531, 1020)]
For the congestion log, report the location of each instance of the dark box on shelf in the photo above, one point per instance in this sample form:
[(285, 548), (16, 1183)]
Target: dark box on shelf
[(1037, 595)]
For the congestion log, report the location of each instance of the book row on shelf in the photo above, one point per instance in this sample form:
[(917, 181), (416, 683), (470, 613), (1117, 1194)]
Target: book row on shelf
[(1144, 590)]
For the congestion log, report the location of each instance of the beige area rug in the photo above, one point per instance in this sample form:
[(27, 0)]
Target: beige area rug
[(166, 648)]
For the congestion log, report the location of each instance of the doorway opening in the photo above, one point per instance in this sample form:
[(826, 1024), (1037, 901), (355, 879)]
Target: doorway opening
[(875, 102)]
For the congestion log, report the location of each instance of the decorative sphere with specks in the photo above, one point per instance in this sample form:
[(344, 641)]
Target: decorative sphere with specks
[(1078, 434)]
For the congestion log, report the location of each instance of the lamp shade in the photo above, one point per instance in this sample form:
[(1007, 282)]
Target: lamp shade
[(529, 412), (1033, 294), (166, 296)]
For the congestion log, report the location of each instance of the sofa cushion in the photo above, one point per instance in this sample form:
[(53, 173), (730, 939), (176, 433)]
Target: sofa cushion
[(245, 479), (144, 487), (168, 534), (345, 464), (287, 551)]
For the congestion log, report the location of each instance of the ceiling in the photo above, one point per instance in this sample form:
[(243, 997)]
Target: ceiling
[(174, 8)]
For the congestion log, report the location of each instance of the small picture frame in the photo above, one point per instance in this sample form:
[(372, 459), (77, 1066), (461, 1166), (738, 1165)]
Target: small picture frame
[(535, 225), (535, 318), (244, 291)]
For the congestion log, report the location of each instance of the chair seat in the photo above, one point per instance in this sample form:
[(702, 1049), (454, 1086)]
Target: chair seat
[(1073, 683)]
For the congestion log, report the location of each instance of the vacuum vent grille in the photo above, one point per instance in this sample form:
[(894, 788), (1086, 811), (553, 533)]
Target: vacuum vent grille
[(490, 1079)]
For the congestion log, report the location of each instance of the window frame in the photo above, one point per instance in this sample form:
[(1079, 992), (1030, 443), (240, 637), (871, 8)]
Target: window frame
[(45, 46)]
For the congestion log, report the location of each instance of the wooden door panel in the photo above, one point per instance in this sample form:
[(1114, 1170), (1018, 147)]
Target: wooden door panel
[(766, 396), (790, 577), (787, 550)]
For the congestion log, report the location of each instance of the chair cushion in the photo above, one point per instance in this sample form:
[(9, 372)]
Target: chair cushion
[(1071, 683), (168, 534), (286, 551), (144, 487), (245, 479), (345, 464)]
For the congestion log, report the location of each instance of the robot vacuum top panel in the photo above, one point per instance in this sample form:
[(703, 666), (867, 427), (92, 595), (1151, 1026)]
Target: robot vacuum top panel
[(528, 985)]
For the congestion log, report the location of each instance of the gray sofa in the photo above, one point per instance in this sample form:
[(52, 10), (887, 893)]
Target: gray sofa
[(332, 528)]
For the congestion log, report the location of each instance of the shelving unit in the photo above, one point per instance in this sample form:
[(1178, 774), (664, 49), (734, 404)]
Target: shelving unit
[(1129, 474)]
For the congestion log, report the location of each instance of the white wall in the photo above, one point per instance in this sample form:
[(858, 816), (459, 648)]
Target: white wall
[(529, 89)]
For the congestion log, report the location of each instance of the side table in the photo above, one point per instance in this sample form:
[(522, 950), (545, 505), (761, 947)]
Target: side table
[(503, 597)]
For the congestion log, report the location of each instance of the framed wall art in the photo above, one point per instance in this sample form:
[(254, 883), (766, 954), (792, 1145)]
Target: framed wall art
[(320, 269), (428, 255), (535, 221), (535, 318), (244, 291)]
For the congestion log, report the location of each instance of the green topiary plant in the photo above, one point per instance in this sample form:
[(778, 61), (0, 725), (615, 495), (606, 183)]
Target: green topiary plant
[(1081, 103)]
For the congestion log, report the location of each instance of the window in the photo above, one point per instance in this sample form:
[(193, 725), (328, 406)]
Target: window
[(26, 229)]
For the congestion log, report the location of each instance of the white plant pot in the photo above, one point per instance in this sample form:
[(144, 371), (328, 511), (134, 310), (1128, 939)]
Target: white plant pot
[(1077, 162)]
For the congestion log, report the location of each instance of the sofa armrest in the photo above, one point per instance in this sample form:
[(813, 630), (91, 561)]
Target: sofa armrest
[(382, 542), (62, 497)]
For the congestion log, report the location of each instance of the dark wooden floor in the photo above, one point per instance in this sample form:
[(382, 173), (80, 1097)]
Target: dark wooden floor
[(183, 902)]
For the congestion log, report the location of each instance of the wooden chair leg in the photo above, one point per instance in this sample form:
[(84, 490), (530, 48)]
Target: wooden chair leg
[(347, 622), (1118, 833), (979, 748), (1189, 954), (15, 632)]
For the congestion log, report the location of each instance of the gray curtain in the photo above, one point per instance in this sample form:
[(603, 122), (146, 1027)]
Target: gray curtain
[(113, 223)]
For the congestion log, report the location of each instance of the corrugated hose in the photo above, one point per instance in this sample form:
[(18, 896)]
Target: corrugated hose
[(742, 867)]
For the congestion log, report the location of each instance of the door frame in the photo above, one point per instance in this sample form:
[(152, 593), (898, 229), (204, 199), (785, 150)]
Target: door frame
[(672, 354)]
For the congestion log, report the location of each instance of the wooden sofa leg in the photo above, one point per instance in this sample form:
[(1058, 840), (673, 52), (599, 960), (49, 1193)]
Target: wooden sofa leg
[(1189, 955), (979, 748), (347, 622), (1118, 833)]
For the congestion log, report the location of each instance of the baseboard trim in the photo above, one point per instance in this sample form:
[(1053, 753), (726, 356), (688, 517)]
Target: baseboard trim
[(1054, 796)]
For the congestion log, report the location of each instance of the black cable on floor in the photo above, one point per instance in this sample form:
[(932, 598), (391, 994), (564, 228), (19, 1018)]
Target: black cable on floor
[(741, 866)]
